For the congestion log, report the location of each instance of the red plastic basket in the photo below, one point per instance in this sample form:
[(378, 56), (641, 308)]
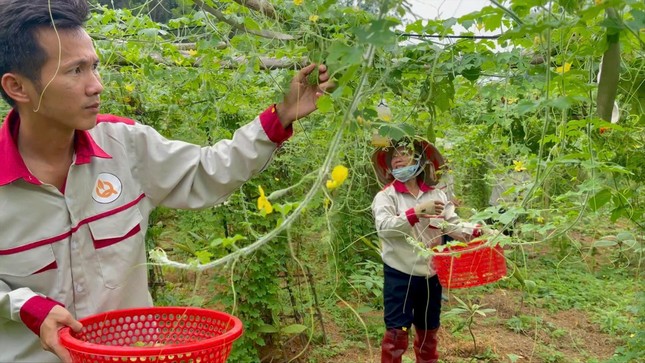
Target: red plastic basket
[(468, 266), (155, 334)]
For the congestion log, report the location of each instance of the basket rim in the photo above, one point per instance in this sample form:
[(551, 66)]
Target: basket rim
[(472, 246), (71, 343)]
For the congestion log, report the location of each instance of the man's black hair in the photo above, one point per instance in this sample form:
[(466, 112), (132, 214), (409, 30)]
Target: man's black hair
[(20, 50)]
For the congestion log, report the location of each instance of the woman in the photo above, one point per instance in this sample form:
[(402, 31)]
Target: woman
[(412, 214)]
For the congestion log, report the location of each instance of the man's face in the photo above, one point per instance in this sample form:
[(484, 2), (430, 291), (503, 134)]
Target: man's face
[(402, 156), (69, 98)]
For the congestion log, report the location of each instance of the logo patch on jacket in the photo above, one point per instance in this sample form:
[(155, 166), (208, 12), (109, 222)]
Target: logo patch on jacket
[(107, 188)]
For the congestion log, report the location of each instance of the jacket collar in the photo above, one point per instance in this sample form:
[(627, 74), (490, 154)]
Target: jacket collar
[(400, 187), (14, 166)]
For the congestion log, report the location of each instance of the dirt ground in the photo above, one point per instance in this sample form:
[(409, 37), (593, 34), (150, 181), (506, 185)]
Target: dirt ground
[(560, 337), (565, 336)]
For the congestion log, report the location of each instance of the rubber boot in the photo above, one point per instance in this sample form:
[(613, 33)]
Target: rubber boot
[(394, 345), (425, 346)]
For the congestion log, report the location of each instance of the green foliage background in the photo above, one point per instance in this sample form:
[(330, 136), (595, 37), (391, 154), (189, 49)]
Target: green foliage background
[(484, 102)]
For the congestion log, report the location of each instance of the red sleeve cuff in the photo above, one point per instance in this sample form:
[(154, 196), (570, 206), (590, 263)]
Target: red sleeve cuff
[(35, 310), (273, 127), (412, 216)]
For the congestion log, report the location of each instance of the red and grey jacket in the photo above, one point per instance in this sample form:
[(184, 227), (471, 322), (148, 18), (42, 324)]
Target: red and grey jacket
[(404, 236), (84, 248)]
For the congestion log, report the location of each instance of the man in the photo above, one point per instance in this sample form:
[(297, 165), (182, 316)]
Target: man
[(411, 206), (77, 187)]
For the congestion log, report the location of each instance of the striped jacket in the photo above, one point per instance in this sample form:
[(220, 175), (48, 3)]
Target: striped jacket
[(84, 248), (404, 236)]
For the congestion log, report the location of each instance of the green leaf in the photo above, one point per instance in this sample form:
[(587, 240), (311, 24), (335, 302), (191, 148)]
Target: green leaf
[(613, 25), (377, 33), (293, 329), (266, 328), (471, 73), (562, 102), (625, 236), (448, 23), (149, 32), (416, 27), (617, 213), (250, 24), (342, 52), (526, 106), (530, 285), (456, 311), (203, 256), (639, 20), (325, 104), (483, 312), (364, 309), (571, 6), (601, 198), (396, 131), (604, 243)]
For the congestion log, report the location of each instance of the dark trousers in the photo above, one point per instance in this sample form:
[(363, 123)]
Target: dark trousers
[(410, 300)]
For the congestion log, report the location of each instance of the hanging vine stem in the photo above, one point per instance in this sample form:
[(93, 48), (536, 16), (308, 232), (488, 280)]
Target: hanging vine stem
[(159, 256)]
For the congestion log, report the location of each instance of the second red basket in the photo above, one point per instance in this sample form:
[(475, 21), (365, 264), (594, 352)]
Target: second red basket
[(471, 265), (155, 334)]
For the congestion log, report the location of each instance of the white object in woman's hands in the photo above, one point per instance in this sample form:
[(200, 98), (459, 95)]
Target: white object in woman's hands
[(429, 208)]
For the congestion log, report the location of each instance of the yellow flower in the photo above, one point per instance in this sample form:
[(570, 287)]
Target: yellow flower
[(518, 165), (331, 184), (540, 220), (129, 87), (192, 52), (511, 100), (298, 2), (338, 177), (563, 69), (313, 18), (598, 2), (263, 202), (339, 174)]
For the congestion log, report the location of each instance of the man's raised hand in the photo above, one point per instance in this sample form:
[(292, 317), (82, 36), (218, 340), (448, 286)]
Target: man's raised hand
[(301, 99)]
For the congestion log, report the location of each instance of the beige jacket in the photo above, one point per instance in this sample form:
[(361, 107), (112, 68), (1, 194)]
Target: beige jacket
[(404, 236), (85, 248)]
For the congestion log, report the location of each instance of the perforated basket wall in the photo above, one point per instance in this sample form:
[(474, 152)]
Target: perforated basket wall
[(156, 334), (470, 266)]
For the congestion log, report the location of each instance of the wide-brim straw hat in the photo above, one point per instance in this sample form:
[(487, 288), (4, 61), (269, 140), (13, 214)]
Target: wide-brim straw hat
[(431, 159)]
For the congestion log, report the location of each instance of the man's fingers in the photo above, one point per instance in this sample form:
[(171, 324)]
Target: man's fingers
[(323, 76), (69, 320), (52, 344), (302, 75), (76, 326), (322, 68), (326, 86), (62, 353)]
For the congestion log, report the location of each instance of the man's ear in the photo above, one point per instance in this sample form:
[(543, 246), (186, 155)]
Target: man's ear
[(14, 86)]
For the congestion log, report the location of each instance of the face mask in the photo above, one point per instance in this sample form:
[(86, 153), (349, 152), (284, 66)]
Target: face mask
[(407, 172)]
